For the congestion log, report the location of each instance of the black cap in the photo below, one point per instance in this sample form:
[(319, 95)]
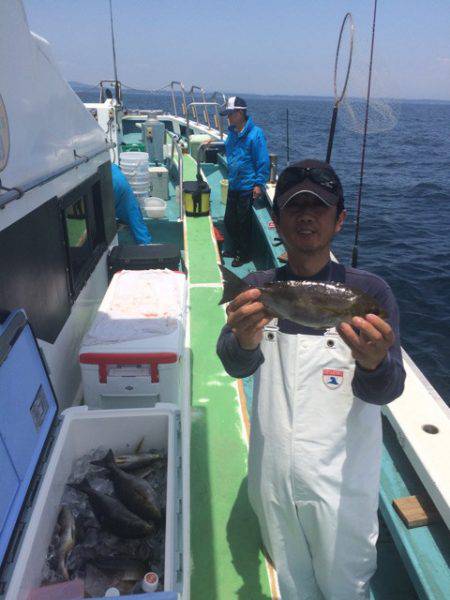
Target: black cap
[(232, 104), (309, 176)]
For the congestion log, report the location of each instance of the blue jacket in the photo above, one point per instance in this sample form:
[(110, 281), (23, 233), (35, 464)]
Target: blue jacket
[(247, 157), (127, 207)]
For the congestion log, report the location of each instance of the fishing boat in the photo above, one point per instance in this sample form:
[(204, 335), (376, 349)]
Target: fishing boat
[(57, 229)]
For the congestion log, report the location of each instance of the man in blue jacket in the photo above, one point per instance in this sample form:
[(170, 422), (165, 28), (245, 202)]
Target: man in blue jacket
[(248, 170), (127, 207)]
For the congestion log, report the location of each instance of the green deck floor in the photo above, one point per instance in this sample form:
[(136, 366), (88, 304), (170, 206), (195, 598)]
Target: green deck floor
[(225, 545)]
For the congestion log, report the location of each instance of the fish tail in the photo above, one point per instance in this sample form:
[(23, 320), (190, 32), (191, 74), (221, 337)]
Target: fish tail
[(81, 486), (107, 461), (232, 285), (62, 567)]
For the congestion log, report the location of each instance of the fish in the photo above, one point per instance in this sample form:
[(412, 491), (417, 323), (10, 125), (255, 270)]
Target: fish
[(113, 515), (315, 304), (66, 527), (126, 568), (133, 462), (137, 494)]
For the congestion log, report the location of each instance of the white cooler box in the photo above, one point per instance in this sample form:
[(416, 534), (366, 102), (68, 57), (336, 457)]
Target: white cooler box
[(37, 453), (159, 182), (130, 357)]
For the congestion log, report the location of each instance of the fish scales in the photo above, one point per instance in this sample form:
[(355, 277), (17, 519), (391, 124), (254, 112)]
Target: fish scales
[(316, 304), (113, 515), (136, 493)]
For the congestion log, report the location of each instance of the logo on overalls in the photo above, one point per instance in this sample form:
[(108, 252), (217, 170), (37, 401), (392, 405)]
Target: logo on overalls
[(332, 378)]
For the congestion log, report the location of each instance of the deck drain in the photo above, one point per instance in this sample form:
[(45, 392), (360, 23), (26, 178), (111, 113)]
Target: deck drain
[(430, 428)]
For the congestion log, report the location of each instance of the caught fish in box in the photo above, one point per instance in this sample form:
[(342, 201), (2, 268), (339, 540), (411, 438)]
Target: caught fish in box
[(40, 451)]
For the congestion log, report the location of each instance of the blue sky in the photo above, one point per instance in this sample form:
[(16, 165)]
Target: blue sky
[(265, 46)]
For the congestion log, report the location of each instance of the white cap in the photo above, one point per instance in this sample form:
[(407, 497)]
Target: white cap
[(232, 104), (112, 591)]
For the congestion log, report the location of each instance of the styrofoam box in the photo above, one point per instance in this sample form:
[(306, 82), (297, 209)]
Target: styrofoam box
[(83, 430), (121, 384), (159, 182)]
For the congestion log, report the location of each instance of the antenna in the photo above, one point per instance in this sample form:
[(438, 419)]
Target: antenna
[(116, 81), (363, 155)]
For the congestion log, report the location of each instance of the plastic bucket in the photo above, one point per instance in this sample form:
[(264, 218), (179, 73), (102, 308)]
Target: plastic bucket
[(133, 157), (224, 190), (155, 208)]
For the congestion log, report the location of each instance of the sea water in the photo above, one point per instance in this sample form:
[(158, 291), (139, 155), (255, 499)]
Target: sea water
[(405, 215)]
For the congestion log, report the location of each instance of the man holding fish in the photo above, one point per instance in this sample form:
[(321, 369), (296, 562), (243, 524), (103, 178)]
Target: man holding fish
[(321, 372)]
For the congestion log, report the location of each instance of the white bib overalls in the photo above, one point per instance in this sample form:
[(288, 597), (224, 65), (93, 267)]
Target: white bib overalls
[(314, 466)]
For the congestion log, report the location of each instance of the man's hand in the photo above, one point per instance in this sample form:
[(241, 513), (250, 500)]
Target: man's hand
[(247, 317), (371, 346), (257, 191)]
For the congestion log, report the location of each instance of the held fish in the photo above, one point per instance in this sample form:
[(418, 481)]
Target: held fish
[(320, 305), (113, 515), (136, 493), (133, 462), (66, 525)]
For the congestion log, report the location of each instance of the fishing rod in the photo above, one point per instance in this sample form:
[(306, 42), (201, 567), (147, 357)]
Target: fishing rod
[(363, 154), (116, 79), (287, 137), (338, 97)]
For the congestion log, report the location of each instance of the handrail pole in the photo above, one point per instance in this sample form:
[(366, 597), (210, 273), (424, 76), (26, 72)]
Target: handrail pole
[(183, 97), (216, 104)]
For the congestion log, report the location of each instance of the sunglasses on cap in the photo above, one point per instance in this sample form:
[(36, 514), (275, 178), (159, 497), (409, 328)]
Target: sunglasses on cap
[(320, 176)]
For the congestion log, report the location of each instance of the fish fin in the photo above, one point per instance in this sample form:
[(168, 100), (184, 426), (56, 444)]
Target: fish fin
[(81, 486), (232, 285), (106, 462), (138, 448)]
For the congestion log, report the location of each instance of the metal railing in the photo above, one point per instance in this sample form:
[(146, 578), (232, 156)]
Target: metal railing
[(183, 97), (216, 104), (194, 108), (216, 114), (177, 146)]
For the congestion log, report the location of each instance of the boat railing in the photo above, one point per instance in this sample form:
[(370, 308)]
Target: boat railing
[(183, 97), (194, 107), (216, 104), (176, 145), (117, 87), (213, 98)]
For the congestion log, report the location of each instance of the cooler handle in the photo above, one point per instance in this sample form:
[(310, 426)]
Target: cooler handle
[(105, 360)]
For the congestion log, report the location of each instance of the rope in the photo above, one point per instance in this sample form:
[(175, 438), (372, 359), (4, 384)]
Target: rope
[(363, 155)]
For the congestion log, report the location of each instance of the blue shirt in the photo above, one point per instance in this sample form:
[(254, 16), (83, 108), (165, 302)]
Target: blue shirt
[(247, 157), (127, 207)]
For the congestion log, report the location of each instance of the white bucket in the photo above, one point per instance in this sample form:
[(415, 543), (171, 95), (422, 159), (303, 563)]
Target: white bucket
[(133, 157), (224, 190), (155, 208)]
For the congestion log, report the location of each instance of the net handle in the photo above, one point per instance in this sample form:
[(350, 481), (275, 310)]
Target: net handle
[(338, 98)]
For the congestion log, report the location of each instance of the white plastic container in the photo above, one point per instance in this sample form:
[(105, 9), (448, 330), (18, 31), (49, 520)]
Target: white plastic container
[(129, 359), (82, 431), (133, 157), (159, 182), (155, 208)]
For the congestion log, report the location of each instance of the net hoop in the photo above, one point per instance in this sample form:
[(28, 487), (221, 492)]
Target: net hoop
[(348, 18)]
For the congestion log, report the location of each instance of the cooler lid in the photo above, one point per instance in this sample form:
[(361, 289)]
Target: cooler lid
[(28, 409)]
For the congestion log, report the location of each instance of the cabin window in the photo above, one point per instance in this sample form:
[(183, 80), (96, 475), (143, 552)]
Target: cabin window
[(168, 125), (84, 232)]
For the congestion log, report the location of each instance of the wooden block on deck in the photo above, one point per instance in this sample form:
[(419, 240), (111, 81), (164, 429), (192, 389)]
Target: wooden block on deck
[(416, 511)]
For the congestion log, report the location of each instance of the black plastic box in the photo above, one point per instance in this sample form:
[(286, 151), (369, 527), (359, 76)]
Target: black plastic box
[(154, 256)]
